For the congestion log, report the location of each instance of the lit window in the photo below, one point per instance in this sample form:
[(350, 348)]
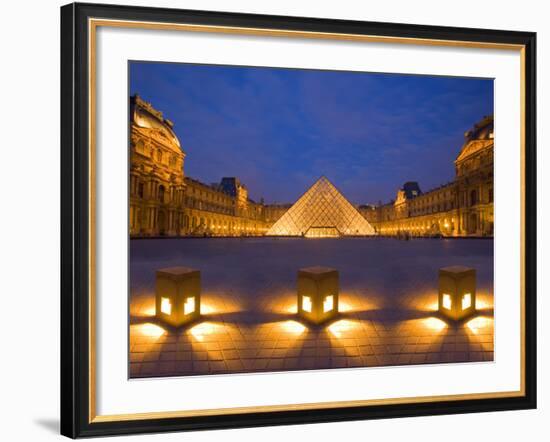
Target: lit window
[(447, 301), (306, 303), (165, 306), (466, 301), (189, 306), (328, 304)]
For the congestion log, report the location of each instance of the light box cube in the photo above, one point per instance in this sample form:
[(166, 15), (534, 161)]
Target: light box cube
[(318, 289), (177, 295), (457, 291)]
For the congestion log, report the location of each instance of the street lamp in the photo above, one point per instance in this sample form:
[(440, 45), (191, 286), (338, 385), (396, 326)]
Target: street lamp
[(318, 289), (457, 291), (177, 295)]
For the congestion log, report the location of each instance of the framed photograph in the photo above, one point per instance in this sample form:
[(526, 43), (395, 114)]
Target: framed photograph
[(278, 220)]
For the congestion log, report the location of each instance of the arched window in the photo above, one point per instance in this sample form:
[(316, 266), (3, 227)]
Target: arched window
[(161, 193), (140, 146), (159, 156), (473, 197)]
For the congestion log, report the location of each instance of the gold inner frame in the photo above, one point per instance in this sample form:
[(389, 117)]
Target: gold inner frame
[(93, 24)]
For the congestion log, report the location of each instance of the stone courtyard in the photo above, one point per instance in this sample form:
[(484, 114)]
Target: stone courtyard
[(387, 313)]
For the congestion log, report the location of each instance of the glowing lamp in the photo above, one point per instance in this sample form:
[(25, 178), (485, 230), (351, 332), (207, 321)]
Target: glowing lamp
[(177, 295), (318, 293), (457, 291)]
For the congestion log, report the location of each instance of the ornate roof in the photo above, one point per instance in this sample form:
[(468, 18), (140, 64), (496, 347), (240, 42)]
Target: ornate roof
[(144, 115), (477, 138)]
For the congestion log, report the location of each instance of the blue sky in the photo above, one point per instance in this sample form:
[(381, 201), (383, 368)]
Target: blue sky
[(278, 130)]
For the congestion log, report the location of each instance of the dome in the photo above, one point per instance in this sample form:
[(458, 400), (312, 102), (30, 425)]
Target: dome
[(477, 138), (482, 130), (142, 114)]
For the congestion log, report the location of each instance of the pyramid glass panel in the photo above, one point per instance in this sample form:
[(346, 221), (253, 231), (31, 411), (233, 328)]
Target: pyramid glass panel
[(322, 212)]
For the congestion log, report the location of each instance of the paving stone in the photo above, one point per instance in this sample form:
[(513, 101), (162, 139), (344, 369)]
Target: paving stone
[(251, 326)]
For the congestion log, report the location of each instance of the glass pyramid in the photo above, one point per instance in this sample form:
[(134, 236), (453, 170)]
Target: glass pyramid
[(322, 212)]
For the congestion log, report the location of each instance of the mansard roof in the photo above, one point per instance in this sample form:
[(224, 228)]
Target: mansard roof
[(144, 115), (477, 138)]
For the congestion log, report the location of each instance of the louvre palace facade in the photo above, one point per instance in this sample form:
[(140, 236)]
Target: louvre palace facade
[(463, 207), (166, 202)]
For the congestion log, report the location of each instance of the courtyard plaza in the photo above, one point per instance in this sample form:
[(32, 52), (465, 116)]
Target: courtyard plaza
[(249, 323)]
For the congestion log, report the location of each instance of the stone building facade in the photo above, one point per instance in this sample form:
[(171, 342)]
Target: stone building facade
[(463, 207), (157, 186), (474, 180), (222, 209), (165, 202)]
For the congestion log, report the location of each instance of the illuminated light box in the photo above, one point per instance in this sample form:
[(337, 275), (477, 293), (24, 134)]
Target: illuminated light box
[(318, 293), (457, 291), (177, 295)]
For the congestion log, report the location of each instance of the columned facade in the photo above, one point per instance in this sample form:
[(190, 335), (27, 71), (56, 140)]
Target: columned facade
[(220, 210), (463, 207), (165, 202), (474, 180), (157, 183)]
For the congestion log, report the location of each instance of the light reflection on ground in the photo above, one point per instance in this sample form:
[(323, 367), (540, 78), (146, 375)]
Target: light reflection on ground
[(387, 306), (148, 330), (480, 325)]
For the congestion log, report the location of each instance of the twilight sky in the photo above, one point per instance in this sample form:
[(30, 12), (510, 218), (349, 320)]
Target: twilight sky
[(278, 130)]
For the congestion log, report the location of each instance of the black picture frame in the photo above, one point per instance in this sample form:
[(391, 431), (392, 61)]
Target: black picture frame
[(75, 220)]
